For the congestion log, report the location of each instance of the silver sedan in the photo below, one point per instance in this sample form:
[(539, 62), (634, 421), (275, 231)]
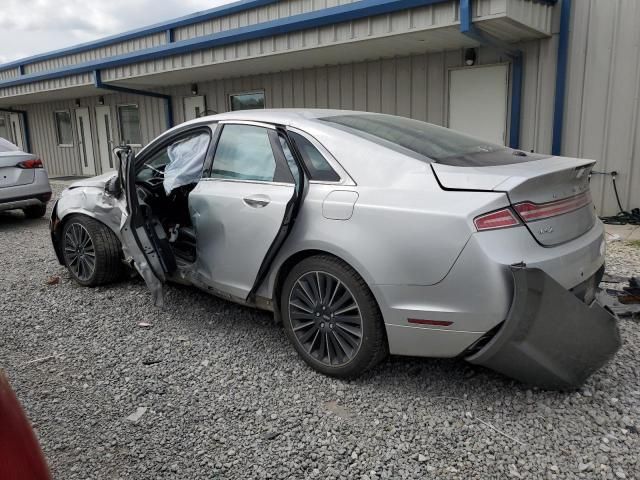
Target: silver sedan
[(24, 184), (365, 234)]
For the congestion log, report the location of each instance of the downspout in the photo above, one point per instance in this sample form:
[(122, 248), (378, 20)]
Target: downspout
[(116, 88), (561, 77), (467, 28), (25, 123)]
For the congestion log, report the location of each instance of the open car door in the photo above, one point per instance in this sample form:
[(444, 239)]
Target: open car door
[(143, 237)]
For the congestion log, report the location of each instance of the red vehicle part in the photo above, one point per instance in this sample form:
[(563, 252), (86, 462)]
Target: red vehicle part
[(20, 454)]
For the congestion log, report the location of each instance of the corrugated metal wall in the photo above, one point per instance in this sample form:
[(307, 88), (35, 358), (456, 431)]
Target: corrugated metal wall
[(602, 96), (64, 161), (413, 86), (285, 8)]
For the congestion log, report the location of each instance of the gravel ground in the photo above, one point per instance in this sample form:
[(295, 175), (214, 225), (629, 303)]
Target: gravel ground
[(222, 395)]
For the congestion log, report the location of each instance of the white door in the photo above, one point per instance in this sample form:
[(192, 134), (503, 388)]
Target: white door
[(5, 130), (108, 160), (85, 142), (16, 130), (193, 107), (478, 102)]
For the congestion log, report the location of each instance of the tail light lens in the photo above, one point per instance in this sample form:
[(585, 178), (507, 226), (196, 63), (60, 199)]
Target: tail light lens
[(27, 164), (503, 218), (530, 211)]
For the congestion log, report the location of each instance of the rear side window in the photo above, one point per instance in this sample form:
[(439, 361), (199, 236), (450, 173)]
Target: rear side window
[(317, 166), (428, 142)]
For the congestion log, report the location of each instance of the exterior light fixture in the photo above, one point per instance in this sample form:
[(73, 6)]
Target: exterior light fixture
[(77, 102), (194, 89), (470, 56), (100, 100)]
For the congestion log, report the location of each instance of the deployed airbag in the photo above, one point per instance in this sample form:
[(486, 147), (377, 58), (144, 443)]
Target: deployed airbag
[(186, 158)]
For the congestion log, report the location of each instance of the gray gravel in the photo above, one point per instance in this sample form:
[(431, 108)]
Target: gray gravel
[(213, 390)]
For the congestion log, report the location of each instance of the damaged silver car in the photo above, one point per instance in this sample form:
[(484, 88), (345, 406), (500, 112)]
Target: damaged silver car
[(365, 234)]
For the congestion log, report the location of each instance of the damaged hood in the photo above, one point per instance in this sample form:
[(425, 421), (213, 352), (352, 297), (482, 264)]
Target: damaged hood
[(98, 182)]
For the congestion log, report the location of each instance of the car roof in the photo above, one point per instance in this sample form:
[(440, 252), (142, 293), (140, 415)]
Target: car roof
[(281, 116)]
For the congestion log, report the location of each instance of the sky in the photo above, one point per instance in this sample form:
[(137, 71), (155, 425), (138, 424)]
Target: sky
[(28, 27)]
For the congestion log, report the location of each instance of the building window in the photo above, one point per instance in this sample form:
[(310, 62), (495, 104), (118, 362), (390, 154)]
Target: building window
[(64, 130), (246, 101), (129, 119)]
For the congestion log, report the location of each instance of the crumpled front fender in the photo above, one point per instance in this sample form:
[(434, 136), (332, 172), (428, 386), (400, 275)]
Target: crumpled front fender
[(550, 338)]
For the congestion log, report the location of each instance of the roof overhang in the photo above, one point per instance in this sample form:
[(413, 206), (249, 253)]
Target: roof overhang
[(168, 67)]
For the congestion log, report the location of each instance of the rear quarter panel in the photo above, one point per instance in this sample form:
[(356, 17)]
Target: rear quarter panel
[(404, 229)]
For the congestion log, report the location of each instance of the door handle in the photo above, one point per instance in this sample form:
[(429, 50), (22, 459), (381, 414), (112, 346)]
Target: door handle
[(257, 201)]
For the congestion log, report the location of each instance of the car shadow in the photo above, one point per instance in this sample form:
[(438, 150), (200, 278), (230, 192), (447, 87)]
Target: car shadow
[(434, 378), (15, 218)]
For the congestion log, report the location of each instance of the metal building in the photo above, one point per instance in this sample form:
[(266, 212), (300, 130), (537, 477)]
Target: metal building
[(552, 76)]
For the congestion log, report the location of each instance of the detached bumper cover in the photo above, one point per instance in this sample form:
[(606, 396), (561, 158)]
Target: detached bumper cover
[(550, 338)]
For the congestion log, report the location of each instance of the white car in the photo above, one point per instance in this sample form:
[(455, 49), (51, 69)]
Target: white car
[(24, 183)]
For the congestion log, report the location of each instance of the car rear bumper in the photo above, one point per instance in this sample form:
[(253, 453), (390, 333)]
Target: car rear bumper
[(22, 196), (550, 338)]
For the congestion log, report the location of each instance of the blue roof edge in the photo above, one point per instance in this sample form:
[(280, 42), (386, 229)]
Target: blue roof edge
[(316, 18), (192, 18)]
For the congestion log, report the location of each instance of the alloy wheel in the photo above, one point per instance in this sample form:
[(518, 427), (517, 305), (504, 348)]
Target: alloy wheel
[(79, 251), (325, 318)]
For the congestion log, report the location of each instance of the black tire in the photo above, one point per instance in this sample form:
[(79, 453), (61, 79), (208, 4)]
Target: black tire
[(107, 251), (373, 347), (36, 211)]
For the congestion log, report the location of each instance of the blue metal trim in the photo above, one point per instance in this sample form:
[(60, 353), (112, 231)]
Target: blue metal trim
[(468, 29), (561, 78), (516, 102), (142, 32), (328, 16), (97, 80), (25, 123)]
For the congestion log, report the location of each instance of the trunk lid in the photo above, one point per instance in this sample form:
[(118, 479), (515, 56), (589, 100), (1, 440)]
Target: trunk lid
[(550, 195), (12, 176)]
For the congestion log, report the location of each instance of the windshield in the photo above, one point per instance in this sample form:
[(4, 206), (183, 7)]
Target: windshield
[(7, 146), (430, 142)]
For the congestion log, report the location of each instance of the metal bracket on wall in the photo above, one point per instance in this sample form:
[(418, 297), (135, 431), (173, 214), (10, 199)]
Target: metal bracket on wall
[(117, 88), (467, 28), (25, 123)]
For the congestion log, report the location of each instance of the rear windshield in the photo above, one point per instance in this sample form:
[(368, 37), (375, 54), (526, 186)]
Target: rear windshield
[(428, 142), (7, 146)]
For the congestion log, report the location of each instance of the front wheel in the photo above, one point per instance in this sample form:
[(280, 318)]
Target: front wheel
[(92, 252), (332, 318)]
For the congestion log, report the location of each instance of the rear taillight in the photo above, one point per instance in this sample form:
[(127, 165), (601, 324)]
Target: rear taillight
[(503, 218), (530, 211), (35, 163)]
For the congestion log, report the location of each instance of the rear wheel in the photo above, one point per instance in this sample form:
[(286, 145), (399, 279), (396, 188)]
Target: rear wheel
[(332, 318), (92, 252), (35, 211)]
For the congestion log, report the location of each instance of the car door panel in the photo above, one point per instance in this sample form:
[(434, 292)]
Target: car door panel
[(233, 234), (143, 238), (242, 222)]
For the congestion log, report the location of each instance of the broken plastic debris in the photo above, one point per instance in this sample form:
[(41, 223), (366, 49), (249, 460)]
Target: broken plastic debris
[(144, 325)]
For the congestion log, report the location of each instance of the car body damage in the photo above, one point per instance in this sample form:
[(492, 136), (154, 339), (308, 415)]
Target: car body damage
[(366, 234), (90, 197), (551, 338)]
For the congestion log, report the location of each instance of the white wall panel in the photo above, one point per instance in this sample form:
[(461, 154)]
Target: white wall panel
[(602, 96), (65, 161)]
